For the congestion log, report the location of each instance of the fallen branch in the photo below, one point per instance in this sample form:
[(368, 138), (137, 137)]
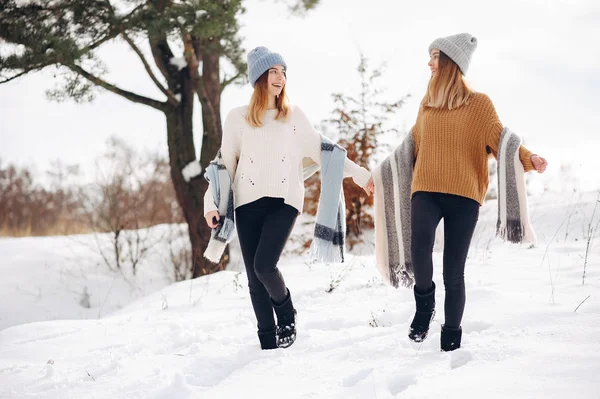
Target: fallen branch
[(581, 303), (88, 373)]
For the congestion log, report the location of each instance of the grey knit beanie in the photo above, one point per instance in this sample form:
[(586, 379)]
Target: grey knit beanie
[(459, 48), (261, 60)]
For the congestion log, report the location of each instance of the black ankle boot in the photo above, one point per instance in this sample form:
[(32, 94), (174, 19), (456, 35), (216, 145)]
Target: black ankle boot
[(450, 338), (286, 322), (268, 339), (425, 312)]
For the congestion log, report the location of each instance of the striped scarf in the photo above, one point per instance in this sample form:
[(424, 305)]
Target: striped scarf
[(220, 183), (393, 181), (330, 228), (513, 217)]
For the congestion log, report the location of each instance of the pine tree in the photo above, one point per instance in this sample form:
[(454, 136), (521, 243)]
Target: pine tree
[(360, 121)]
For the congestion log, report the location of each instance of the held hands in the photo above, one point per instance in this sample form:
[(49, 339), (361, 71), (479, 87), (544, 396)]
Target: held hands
[(539, 163), (211, 217)]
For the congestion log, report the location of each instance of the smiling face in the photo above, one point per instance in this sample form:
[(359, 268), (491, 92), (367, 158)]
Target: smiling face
[(269, 94), (434, 61), (276, 80)]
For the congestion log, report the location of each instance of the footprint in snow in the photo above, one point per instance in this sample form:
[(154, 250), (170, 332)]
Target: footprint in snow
[(459, 358), (178, 388), (356, 377), (400, 383), (477, 326)]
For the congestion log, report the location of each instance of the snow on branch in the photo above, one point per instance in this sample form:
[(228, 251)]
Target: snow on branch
[(179, 62)]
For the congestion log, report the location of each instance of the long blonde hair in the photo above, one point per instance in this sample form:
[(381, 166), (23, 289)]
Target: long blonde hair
[(448, 87), (260, 100)]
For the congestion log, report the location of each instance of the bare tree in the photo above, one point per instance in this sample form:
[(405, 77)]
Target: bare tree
[(29, 208), (131, 194)]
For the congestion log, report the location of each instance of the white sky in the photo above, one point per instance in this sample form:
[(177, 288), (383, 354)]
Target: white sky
[(538, 61)]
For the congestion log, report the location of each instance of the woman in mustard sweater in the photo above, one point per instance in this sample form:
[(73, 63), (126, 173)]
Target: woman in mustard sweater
[(456, 129)]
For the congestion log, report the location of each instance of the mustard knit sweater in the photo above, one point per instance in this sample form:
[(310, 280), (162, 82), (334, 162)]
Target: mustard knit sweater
[(450, 148)]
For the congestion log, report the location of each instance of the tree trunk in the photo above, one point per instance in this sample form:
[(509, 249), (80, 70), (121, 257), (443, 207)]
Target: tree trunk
[(209, 94), (190, 195)]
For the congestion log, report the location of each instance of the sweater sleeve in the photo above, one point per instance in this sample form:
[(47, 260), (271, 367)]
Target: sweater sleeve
[(493, 133), (230, 151), (312, 149)]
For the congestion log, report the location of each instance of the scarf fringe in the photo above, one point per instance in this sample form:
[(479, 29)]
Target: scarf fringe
[(513, 231), (400, 276), (516, 233), (324, 251), (214, 250)]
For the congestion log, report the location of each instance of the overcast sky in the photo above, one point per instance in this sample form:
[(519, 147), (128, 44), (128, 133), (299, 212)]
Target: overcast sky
[(537, 60)]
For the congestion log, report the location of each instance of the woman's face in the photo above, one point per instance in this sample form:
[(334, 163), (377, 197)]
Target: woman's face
[(434, 61), (276, 80)]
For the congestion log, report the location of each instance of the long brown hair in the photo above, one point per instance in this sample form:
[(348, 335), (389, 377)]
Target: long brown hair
[(448, 87), (260, 100)]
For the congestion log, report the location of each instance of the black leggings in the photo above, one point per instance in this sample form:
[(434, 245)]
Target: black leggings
[(460, 217), (263, 228)]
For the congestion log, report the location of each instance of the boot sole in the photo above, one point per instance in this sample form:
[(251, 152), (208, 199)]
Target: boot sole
[(287, 345), (422, 337)]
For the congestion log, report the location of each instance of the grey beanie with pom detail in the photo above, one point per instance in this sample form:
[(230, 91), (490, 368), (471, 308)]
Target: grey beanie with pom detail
[(260, 60), (459, 48)]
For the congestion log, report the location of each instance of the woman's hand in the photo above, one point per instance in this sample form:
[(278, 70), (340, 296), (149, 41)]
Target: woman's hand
[(370, 186), (539, 163), (209, 219)]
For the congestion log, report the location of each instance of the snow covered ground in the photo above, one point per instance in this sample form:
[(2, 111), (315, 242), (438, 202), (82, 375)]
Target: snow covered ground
[(531, 327)]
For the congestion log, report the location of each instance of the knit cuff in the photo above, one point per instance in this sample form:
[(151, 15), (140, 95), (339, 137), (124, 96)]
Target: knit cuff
[(361, 176), (525, 156), (209, 202)]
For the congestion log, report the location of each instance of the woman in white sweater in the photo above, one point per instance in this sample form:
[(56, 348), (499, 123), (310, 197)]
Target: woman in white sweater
[(262, 148)]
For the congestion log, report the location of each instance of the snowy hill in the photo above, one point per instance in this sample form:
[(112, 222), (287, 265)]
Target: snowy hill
[(530, 328)]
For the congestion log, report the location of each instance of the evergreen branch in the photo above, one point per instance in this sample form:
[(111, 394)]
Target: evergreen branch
[(136, 49), (227, 82), (25, 72), (136, 98), (148, 69), (100, 42), (110, 34), (126, 17)]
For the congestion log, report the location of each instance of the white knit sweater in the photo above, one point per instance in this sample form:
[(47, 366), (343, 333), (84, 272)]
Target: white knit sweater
[(267, 161)]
